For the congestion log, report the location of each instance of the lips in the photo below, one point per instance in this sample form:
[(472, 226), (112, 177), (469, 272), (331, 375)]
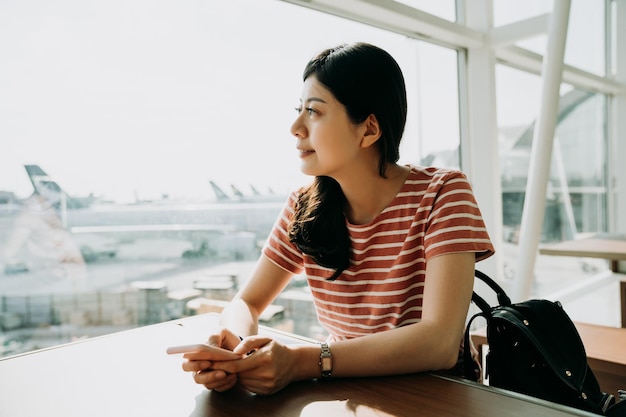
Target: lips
[(305, 152)]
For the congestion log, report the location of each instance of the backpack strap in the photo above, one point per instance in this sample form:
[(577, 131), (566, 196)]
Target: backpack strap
[(503, 299), (481, 303), (485, 308), (469, 371)]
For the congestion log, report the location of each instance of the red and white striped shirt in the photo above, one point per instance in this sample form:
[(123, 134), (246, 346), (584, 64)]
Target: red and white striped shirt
[(434, 213)]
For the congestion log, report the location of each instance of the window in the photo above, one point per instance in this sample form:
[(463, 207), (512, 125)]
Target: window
[(576, 202), (586, 41), (123, 113), (444, 9)]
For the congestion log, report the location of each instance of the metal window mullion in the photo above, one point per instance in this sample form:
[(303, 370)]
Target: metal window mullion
[(479, 137), (617, 119), (541, 152)]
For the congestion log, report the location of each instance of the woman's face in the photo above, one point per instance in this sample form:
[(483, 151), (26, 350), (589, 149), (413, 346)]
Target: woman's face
[(327, 141)]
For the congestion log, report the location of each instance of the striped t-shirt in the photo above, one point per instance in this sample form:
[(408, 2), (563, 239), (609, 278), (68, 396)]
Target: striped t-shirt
[(434, 213)]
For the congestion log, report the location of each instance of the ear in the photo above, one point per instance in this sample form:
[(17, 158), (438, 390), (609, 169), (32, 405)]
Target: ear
[(372, 131)]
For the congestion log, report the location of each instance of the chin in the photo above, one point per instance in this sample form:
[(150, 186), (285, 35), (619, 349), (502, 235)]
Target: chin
[(307, 170)]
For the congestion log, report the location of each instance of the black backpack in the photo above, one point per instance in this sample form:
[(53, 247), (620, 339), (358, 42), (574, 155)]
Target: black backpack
[(535, 349)]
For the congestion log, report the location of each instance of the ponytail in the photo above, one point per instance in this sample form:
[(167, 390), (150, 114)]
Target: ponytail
[(319, 227)]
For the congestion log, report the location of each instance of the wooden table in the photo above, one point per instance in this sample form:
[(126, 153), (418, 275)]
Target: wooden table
[(606, 353), (129, 374), (604, 246)]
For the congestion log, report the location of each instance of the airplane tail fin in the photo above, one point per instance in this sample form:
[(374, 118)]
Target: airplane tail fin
[(43, 184), (219, 193), (236, 191), (254, 190)]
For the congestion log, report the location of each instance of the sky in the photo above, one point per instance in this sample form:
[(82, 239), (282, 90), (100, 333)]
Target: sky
[(119, 98), (141, 98), (138, 99)]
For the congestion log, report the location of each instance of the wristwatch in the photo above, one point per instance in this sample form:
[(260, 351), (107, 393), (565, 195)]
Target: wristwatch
[(326, 360)]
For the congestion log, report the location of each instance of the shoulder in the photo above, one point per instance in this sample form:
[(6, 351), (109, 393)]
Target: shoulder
[(434, 177), (421, 172)]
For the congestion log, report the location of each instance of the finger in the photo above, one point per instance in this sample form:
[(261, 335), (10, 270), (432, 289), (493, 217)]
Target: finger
[(202, 355), (215, 340), (212, 379), (209, 376), (232, 367), (251, 344), (196, 365), (227, 384), (224, 338), (251, 363)]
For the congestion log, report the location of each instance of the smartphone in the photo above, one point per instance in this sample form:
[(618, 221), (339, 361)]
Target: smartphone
[(209, 352)]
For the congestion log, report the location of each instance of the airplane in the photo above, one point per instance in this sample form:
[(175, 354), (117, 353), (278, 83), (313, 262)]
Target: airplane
[(239, 195), (219, 193), (224, 225)]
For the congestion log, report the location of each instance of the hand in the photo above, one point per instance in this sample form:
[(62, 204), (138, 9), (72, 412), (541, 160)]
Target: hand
[(268, 369), (202, 367)]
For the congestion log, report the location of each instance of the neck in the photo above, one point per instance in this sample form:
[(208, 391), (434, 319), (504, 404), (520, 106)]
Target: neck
[(370, 193)]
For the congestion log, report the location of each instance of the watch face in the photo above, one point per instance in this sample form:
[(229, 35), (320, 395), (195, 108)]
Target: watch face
[(327, 364)]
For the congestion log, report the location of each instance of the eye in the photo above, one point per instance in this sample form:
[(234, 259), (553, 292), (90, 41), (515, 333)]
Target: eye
[(311, 111)]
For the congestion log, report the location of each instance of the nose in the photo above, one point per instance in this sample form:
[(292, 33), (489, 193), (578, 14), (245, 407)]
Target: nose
[(297, 127)]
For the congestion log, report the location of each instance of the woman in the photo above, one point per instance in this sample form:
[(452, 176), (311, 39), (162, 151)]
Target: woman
[(388, 250)]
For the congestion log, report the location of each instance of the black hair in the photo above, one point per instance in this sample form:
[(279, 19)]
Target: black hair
[(366, 80)]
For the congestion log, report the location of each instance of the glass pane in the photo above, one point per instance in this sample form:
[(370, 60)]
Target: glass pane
[(124, 114), (583, 154), (576, 202), (446, 9), (436, 120), (585, 45), (511, 11)]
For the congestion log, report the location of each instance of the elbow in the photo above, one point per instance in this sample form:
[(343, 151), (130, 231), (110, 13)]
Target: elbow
[(440, 347), (446, 357), (436, 357), (449, 359)]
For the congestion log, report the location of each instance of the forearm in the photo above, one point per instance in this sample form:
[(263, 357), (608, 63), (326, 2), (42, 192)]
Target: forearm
[(416, 348), (239, 318)]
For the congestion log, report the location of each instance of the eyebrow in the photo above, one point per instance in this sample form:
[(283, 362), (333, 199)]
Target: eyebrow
[(310, 99)]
